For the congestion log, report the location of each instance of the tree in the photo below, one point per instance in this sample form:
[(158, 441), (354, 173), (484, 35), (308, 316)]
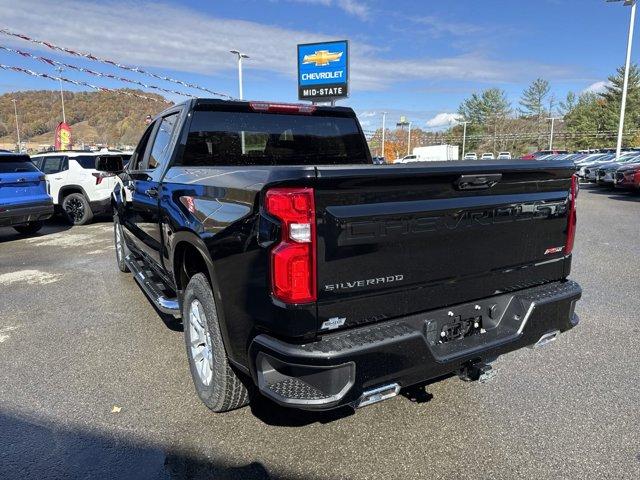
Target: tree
[(568, 104), (484, 107), (612, 96), (488, 113), (535, 99), (587, 116)]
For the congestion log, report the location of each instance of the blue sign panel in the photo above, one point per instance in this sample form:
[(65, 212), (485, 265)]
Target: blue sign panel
[(323, 70)]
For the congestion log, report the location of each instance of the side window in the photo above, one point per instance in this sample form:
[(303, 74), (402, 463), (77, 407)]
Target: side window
[(37, 161), (53, 164), (86, 161), (138, 154), (161, 144)]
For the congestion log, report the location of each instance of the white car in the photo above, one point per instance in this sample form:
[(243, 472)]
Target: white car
[(407, 159), (487, 156), (78, 189), (471, 156), (504, 156)]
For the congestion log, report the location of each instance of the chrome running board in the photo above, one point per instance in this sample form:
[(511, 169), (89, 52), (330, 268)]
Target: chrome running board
[(167, 305)]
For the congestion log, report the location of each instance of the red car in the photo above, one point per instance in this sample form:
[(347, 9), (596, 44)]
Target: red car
[(628, 177)]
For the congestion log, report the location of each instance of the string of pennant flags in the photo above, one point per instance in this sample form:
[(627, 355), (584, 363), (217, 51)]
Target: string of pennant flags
[(57, 78), (95, 58), (90, 72)]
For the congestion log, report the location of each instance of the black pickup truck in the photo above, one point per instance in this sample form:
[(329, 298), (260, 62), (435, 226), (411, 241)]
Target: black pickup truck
[(304, 272)]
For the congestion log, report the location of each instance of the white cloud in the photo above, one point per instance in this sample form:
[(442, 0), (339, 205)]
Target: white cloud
[(352, 7), (443, 120), (186, 40), (437, 26), (597, 87)]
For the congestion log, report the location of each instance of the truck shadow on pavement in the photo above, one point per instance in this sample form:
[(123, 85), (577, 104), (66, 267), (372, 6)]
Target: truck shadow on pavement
[(36, 449)]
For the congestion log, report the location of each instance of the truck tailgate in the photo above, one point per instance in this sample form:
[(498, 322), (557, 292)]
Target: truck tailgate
[(396, 240)]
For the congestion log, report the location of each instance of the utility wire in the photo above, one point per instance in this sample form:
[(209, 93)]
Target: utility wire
[(32, 73), (95, 58), (52, 62)]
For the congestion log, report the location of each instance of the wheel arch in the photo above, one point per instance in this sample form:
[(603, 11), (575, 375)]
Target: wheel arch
[(69, 189), (185, 246)]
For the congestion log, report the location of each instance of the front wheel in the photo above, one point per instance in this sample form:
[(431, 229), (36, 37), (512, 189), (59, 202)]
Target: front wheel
[(77, 209), (216, 383), (121, 248), (29, 228)]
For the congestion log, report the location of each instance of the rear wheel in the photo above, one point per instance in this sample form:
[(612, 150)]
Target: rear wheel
[(77, 209), (29, 228), (121, 248), (216, 383)]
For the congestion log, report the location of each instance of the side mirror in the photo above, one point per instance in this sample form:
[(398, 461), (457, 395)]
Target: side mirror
[(109, 163)]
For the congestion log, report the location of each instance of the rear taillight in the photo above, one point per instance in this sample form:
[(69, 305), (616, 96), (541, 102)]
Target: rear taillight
[(571, 221), (101, 175), (293, 258)]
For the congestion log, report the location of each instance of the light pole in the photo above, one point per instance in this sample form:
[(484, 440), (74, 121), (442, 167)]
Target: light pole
[(404, 123), (15, 110), (464, 137), (623, 106), (384, 127), (240, 56), (64, 118), (553, 119)]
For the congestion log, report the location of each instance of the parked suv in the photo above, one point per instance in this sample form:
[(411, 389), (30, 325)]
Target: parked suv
[(79, 190), (24, 202)]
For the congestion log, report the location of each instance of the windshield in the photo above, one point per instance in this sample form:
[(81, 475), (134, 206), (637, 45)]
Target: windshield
[(244, 138), (16, 164)]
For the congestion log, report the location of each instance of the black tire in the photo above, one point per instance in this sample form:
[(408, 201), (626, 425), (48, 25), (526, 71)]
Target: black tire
[(224, 391), (29, 228), (76, 209), (121, 247)]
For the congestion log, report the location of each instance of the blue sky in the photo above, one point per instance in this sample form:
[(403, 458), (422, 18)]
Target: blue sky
[(417, 58)]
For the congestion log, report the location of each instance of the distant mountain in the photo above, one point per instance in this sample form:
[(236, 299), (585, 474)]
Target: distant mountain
[(95, 117)]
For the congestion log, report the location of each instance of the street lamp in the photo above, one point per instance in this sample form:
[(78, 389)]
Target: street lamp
[(64, 118), (240, 56), (403, 123), (384, 120), (15, 110), (464, 137), (553, 119), (623, 106)]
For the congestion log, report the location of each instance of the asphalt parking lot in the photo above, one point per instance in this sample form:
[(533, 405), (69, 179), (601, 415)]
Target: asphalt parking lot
[(94, 384)]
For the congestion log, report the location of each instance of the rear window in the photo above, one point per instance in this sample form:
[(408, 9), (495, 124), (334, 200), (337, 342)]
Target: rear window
[(85, 161), (15, 164), (243, 138)]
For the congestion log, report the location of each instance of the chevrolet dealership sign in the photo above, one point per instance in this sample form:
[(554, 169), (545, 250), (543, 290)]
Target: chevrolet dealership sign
[(323, 70)]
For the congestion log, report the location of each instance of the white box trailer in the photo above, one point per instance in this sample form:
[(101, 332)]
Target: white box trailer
[(433, 153)]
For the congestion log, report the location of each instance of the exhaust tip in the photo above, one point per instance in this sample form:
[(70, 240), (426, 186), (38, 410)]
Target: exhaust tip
[(378, 394), (546, 339)]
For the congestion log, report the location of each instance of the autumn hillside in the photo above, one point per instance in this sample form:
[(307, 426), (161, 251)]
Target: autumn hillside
[(95, 117)]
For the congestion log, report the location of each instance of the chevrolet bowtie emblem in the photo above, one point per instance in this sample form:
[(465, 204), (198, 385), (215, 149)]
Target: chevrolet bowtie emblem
[(322, 58)]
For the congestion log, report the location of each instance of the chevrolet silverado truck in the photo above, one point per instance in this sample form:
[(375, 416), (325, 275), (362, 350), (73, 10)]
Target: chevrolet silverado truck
[(302, 271)]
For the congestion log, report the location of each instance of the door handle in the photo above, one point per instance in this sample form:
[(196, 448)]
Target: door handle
[(477, 182), (152, 192)]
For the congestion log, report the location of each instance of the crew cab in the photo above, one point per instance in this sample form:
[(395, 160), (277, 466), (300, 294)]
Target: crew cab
[(79, 190), (24, 202), (301, 269)]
